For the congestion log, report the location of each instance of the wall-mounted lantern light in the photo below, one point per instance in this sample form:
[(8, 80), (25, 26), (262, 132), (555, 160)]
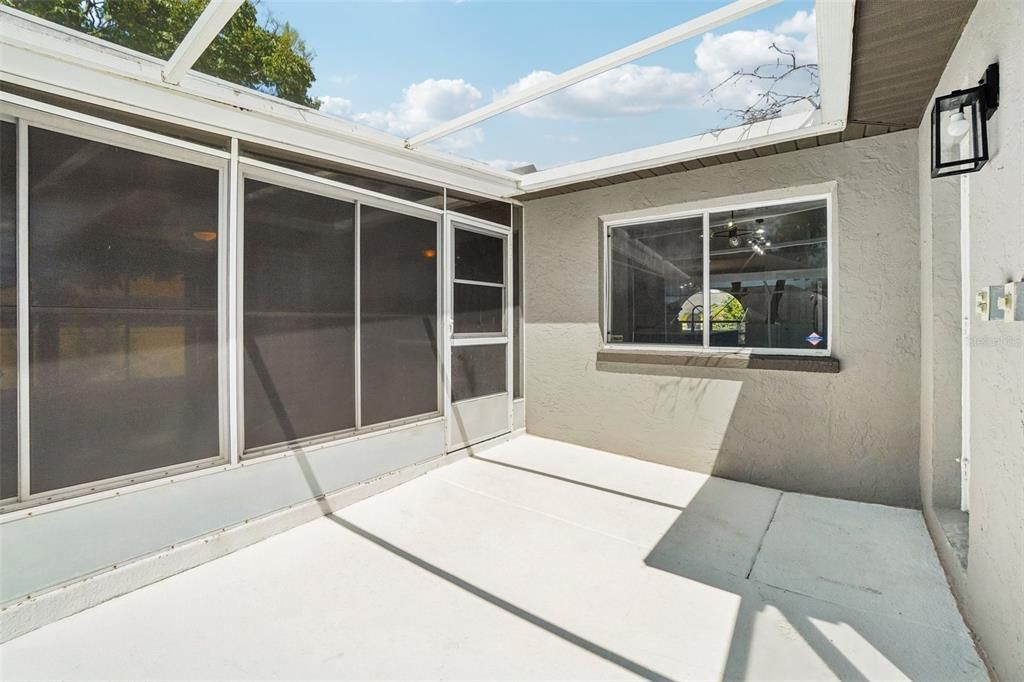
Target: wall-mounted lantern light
[(960, 126)]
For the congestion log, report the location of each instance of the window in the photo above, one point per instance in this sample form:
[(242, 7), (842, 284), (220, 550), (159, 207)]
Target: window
[(123, 312), (478, 304), (761, 280), (299, 321)]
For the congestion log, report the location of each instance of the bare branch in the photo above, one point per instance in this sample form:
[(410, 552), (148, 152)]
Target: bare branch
[(768, 81)]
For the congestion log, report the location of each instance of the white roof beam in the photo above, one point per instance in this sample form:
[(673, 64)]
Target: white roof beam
[(630, 53), (207, 26)]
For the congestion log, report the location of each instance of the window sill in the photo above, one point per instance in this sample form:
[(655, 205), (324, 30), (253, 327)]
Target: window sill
[(724, 360)]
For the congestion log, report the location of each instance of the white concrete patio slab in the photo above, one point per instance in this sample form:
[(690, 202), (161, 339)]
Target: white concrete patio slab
[(539, 560)]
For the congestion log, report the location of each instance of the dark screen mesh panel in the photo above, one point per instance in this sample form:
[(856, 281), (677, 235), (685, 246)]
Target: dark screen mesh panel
[(8, 311), (299, 321), (478, 309), (123, 314), (517, 302), (478, 371), (479, 257), (398, 289)]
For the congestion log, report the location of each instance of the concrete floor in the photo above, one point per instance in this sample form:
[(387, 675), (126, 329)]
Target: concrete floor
[(541, 560)]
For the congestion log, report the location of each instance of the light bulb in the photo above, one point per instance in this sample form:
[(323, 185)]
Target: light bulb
[(734, 241), (958, 125)]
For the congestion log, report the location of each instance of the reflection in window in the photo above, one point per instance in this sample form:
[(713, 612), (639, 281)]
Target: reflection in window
[(657, 275), (123, 311), (8, 311), (299, 319), (398, 315), (773, 263), (768, 273)]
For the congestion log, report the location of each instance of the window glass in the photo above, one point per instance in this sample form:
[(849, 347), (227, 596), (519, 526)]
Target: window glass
[(8, 311), (657, 276), (299, 321), (478, 309), (123, 311), (478, 371), (479, 257), (769, 274), (398, 315)]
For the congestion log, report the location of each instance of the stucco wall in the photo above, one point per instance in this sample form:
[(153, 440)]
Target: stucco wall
[(940, 338), (852, 435), (993, 588)]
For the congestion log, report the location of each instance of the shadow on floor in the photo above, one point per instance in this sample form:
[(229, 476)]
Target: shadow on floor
[(715, 541)]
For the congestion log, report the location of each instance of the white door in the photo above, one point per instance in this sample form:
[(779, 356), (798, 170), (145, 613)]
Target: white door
[(479, 368)]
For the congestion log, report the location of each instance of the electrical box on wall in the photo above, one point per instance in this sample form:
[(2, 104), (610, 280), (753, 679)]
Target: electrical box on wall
[(986, 305), (1011, 301)]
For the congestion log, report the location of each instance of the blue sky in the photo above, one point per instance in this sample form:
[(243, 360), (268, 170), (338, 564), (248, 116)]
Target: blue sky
[(404, 66)]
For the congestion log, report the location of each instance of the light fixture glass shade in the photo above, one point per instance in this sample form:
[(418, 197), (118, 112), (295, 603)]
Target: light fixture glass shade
[(959, 127)]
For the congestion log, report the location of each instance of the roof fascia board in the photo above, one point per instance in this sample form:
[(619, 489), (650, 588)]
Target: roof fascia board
[(834, 19), (782, 129), (40, 55), (625, 55), (213, 18)]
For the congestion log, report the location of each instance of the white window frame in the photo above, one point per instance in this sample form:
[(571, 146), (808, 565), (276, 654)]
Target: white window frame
[(303, 182), (86, 127), (704, 210), (232, 169)]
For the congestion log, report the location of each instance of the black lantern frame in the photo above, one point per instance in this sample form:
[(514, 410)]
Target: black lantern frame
[(977, 105)]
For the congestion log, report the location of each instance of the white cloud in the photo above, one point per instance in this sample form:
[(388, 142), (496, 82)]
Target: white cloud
[(720, 56), (336, 106), (460, 141), (633, 89), (624, 91), (801, 22), (423, 105)]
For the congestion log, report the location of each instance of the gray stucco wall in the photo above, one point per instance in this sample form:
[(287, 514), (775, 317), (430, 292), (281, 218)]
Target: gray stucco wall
[(992, 588), (853, 435)]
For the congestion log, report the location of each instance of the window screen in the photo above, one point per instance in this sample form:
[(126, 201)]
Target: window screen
[(123, 311), (478, 371), (398, 315), (299, 321), (8, 311)]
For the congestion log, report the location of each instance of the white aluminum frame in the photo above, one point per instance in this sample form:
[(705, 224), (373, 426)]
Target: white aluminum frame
[(39, 54), (28, 115), (232, 168), (705, 212), (641, 48), (331, 189), (214, 17), (453, 221)]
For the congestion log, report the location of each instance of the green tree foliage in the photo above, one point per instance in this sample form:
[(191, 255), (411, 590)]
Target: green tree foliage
[(270, 56)]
